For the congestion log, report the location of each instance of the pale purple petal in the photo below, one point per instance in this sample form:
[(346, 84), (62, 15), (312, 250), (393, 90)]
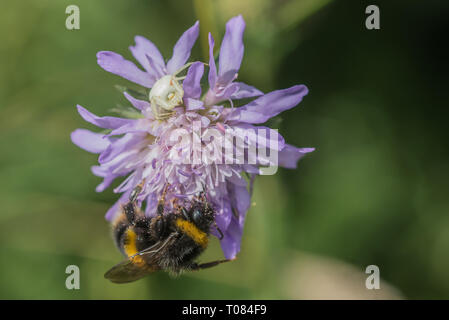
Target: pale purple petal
[(99, 171), (144, 48), (240, 198), (269, 105), (231, 241), (260, 136), (115, 63), (138, 104), (231, 52), (240, 201), (193, 104), (105, 184), (251, 169), (181, 51), (151, 206), (123, 144), (89, 141), (237, 180), (223, 219), (205, 121), (111, 214), (192, 82), (230, 244), (102, 122), (246, 91), (212, 68), (130, 182), (229, 91), (133, 125), (104, 173), (158, 70), (289, 156)]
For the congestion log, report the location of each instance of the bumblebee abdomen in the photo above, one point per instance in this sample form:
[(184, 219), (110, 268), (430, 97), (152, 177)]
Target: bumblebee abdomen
[(130, 246), (181, 255), (131, 239), (192, 231), (119, 228)]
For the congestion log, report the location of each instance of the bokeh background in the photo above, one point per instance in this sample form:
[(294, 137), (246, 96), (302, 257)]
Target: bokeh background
[(374, 192)]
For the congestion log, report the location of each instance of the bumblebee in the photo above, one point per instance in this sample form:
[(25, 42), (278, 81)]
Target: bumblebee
[(168, 242)]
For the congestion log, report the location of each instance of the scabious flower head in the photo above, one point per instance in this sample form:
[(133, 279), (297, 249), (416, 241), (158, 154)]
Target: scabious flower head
[(189, 141)]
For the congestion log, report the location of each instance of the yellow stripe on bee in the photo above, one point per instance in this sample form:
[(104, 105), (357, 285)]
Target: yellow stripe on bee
[(130, 246), (193, 232)]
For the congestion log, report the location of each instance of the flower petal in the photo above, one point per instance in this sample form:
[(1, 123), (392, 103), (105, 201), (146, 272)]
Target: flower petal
[(246, 91), (269, 105), (157, 70), (192, 82), (231, 241), (240, 201), (115, 63), (116, 208), (121, 145), (212, 68), (223, 218), (231, 52), (230, 244), (182, 48), (108, 177), (144, 48), (229, 91), (259, 136), (133, 125), (102, 122), (289, 156), (89, 141), (138, 104), (105, 184), (151, 206), (193, 104)]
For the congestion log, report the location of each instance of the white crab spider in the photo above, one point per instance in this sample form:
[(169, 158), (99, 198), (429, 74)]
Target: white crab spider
[(166, 94)]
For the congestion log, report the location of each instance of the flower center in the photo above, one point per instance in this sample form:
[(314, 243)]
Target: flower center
[(165, 95)]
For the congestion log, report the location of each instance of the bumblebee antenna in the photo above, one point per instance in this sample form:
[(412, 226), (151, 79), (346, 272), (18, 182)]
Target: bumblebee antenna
[(161, 202), (203, 194), (129, 208)]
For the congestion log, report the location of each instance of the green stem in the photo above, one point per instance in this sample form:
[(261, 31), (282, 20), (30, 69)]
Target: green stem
[(205, 13)]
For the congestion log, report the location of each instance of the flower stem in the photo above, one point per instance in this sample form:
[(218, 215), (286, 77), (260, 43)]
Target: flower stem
[(204, 11)]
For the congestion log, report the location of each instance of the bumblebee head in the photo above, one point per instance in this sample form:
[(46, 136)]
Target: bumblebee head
[(202, 215)]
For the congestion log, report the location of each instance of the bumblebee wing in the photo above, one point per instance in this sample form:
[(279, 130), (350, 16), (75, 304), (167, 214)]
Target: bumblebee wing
[(139, 265), (128, 271), (156, 249)]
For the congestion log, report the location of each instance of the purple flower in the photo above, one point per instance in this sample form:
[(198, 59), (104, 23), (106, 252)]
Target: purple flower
[(189, 141), (221, 84)]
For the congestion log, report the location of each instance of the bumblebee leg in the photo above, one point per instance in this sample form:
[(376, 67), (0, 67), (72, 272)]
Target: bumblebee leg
[(136, 191), (176, 207), (161, 202), (185, 214), (211, 264), (130, 212), (160, 227), (130, 207)]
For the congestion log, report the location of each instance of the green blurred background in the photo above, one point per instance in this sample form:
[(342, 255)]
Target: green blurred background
[(374, 192)]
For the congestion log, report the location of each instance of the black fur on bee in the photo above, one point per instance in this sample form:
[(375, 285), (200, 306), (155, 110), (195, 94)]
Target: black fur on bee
[(170, 241)]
